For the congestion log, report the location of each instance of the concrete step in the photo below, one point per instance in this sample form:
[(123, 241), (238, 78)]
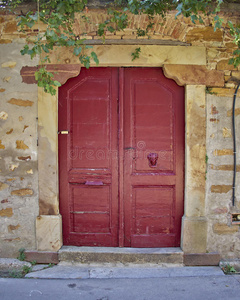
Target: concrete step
[(125, 256)]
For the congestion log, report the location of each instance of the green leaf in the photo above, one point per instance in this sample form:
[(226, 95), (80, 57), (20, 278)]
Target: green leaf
[(70, 43), (30, 23), (56, 83), (77, 50), (136, 53), (95, 58), (24, 50), (34, 17), (110, 28), (45, 48), (194, 18)]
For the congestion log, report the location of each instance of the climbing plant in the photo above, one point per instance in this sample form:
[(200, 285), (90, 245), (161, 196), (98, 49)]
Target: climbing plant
[(59, 17)]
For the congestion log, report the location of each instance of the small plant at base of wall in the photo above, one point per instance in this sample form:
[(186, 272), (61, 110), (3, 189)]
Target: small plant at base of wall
[(22, 255), (20, 273), (228, 269)]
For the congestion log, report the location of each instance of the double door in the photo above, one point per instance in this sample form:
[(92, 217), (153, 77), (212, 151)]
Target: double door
[(121, 158)]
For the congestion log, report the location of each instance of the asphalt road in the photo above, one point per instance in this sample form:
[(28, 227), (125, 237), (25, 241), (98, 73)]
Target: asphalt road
[(190, 288)]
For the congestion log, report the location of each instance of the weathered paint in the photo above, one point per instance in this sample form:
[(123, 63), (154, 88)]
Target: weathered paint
[(89, 176)]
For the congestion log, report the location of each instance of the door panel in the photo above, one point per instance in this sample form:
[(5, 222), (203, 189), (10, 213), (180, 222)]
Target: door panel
[(154, 124), (88, 174), (111, 193)]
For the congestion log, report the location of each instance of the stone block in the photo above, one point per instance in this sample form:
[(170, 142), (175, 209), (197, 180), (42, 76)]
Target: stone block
[(22, 192), (225, 167), (194, 75), (129, 37), (237, 112), (9, 64), (205, 34), (1, 145), (61, 72), (227, 132), (21, 145), (10, 264), (49, 233), (121, 255), (236, 74), (3, 115), (7, 212), (113, 37), (220, 210), (42, 257), (151, 55), (223, 92), (13, 227), (5, 41), (10, 27), (47, 154), (221, 188), (3, 186), (224, 65), (220, 228), (20, 102), (201, 259), (221, 152), (194, 235), (195, 151)]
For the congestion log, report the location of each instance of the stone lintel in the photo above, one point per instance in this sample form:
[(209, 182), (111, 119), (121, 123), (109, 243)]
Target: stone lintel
[(150, 56), (49, 233), (61, 72), (194, 75), (194, 235)]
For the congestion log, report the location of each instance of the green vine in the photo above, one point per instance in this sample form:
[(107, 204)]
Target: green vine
[(59, 18), (136, 53), (235, 32)]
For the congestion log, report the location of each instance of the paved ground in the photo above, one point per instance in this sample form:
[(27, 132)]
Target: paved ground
[(133, 282), (73, 271), (171, 288)]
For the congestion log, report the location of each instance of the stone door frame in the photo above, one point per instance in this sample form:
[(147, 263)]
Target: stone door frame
[(187, 66)]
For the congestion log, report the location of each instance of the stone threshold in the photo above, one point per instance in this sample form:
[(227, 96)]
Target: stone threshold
[(90, 255), (111, 255)]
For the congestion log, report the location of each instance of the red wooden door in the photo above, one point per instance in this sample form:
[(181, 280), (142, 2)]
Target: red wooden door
[(88, 172), (154, 158), (121, 166)]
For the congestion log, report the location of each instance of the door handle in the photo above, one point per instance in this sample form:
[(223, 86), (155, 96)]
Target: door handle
[(93, 182), (63, 132), (152, 160)]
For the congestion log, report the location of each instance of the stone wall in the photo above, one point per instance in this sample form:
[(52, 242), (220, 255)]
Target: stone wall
[(18, 117), (222, 236), (18, 149)]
